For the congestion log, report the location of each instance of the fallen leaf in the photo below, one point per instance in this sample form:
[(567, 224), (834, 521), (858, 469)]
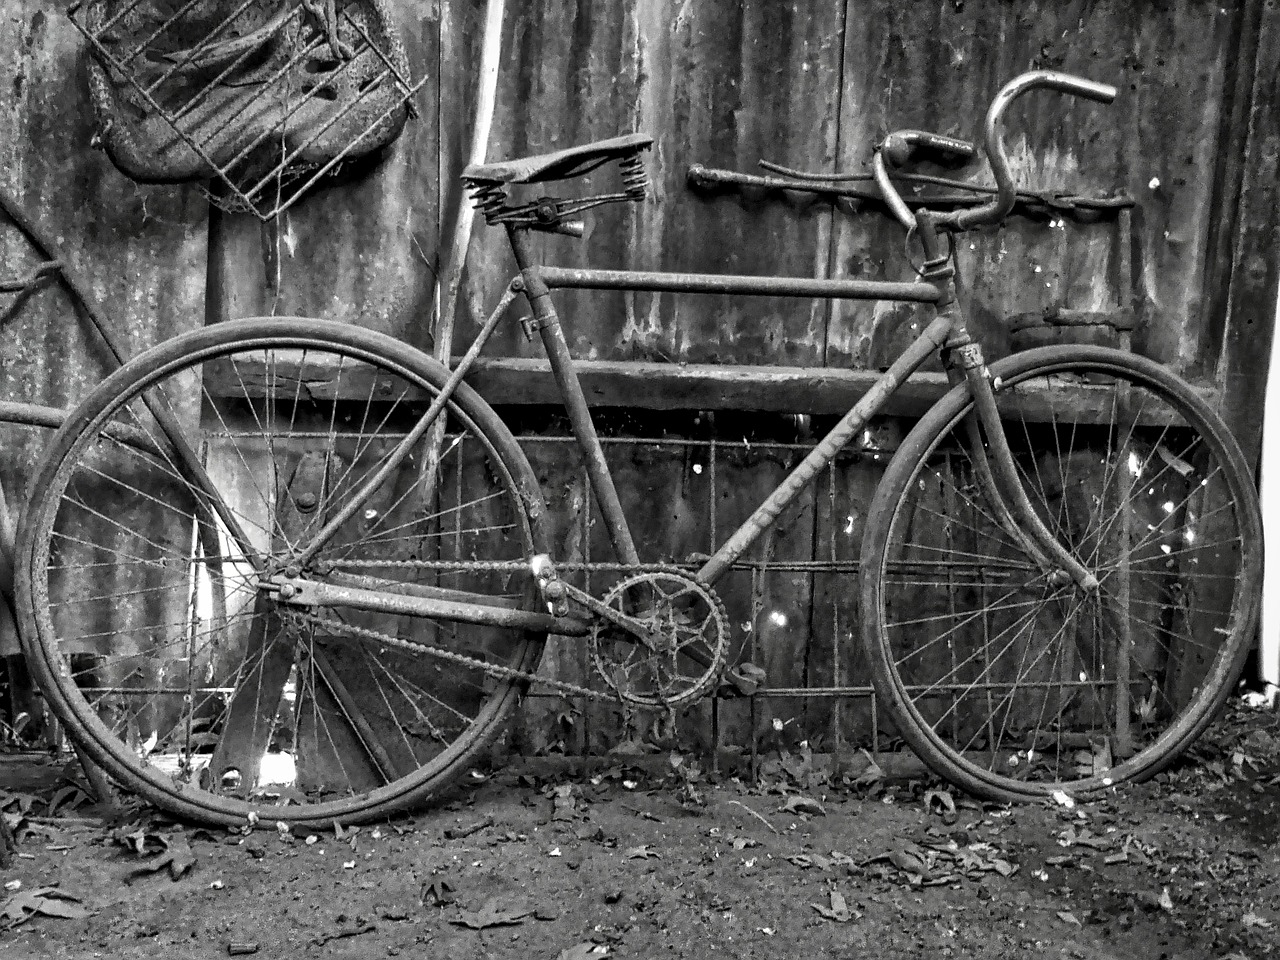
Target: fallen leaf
[(806, 860), (1066, 916), (438, 893), (490, 915), (457, 833), (177, 856), (940, 801), (909, 859), (45, 901), (583, 951), (22, 801), (1070, 837), (838, 911), (802, 805), (68, 798), (1150, 901), (63, 909), (140, 841)]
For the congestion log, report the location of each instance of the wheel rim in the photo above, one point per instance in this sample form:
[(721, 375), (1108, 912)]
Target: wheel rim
[(1017, 681), (361, 724)]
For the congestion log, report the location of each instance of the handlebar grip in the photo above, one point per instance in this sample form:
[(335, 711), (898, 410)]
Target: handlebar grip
[(903, 146), (1079, 86)]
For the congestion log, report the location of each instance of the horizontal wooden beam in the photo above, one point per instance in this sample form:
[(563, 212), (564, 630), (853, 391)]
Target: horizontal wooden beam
[(687, 386), (513, 381), (807, 390)]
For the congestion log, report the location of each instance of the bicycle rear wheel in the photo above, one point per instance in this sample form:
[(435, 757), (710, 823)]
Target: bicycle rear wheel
[(1010, 682), (139, 575)]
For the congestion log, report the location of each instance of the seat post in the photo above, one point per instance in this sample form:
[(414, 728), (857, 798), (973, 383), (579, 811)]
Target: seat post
[(575, 401)]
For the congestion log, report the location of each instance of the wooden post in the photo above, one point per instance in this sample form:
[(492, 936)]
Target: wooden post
[(269, 654), (447, 292)]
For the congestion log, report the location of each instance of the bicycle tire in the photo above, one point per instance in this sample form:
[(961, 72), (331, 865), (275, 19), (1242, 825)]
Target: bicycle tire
[(288, 415), (1157, 501)]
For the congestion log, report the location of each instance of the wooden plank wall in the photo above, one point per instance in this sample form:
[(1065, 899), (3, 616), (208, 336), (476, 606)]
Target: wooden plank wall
[(1192, 137)]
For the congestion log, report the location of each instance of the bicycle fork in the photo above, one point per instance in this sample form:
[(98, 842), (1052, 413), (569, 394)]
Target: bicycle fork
[(997, 475)]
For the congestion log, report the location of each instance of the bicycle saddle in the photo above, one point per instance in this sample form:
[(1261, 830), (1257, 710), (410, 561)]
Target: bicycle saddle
[(560, 165)]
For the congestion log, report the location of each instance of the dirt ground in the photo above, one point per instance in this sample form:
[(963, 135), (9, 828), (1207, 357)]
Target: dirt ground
[(608, 859)]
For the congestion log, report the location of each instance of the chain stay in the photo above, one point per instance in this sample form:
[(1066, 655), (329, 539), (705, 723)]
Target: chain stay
[(494, 669)]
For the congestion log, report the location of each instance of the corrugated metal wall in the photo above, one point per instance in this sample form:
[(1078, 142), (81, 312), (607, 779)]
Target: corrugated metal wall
[(1193, 138), (140, 251)]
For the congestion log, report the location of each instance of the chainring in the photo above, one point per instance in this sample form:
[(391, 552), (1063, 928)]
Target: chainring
[(678, 612)]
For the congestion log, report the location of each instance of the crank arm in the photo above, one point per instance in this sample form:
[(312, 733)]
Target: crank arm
[(631, 625)]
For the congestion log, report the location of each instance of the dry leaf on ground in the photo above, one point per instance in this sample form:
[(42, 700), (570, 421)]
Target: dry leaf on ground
[(177, 856), (45, 901), (838, 911), (583, 951), (804, 805), (491, 915)]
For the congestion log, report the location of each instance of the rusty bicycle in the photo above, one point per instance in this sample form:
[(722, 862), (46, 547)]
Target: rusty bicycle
[(261, 582)]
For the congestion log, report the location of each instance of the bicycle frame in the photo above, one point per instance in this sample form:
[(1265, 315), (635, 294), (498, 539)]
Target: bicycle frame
[(538, 281), (946, 332), (995, 469)]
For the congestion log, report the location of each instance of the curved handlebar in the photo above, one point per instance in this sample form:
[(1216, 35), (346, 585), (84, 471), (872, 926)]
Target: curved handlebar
[(901, 145), (998, 208), (899, 148)]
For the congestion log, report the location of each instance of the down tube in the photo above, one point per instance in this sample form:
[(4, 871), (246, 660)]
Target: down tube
[(930, 340)]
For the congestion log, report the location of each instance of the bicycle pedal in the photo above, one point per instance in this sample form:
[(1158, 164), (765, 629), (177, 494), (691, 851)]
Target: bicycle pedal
[(742, 680)]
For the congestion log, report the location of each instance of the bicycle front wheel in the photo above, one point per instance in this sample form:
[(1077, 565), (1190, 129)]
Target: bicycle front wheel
[(143, 557), (1004, 676)]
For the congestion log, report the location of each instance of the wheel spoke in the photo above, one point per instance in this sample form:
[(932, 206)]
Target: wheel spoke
[(177, 659), (1016, 666)]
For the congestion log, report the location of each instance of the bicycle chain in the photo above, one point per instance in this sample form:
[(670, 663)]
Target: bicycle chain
[(496, 669), (492, 669)]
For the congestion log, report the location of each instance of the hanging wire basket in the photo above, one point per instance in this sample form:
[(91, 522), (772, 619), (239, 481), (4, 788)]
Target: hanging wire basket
[(264, 98)]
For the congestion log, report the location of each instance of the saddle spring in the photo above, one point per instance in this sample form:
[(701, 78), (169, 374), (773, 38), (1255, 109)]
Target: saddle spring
[(490, 198), (635, 179)]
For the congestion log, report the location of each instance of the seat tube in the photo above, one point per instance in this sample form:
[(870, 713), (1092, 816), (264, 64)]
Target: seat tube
[(575, 401)]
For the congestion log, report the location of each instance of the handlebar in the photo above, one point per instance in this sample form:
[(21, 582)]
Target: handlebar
[(899, 147), (904, 145), (999, 208)]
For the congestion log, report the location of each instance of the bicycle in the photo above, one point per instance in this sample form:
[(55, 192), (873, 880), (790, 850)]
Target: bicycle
[(302, 610)]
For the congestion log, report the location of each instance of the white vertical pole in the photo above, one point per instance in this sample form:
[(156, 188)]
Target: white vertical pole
[(486, 100), (1271, 516), (446, 298)]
